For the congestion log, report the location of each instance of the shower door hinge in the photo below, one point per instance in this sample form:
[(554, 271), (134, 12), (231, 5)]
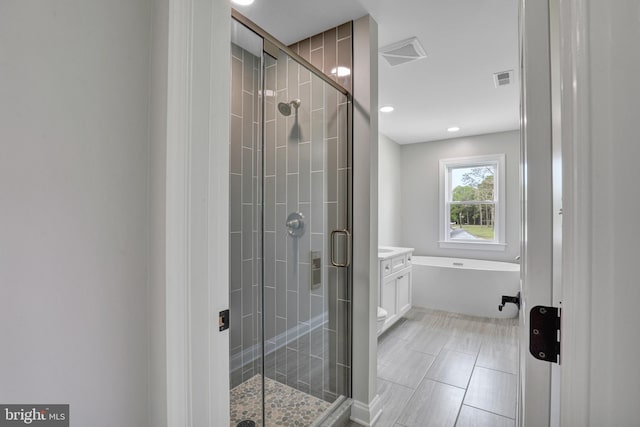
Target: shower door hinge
[(544, 333), (223, 320)]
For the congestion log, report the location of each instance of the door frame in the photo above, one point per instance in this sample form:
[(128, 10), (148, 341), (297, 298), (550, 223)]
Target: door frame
[(577, 207), (534, 382), (569, 113), (197, 222), (197, 212)]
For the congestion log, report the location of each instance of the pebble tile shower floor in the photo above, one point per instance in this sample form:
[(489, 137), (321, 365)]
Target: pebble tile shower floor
[(284, 405)]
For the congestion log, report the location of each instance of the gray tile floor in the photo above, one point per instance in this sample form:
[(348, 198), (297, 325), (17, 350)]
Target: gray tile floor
[(444, 369)]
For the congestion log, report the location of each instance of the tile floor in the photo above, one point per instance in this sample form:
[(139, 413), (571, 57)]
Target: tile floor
[(444, 369)]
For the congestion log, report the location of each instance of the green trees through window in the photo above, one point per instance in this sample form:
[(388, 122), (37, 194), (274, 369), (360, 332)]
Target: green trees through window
[(472, 204)]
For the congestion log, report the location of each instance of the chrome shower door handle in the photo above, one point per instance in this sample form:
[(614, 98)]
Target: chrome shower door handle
[(334, 235)]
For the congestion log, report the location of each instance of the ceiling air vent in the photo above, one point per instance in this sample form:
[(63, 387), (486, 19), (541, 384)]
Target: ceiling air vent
[(403, 52), (503, 78)]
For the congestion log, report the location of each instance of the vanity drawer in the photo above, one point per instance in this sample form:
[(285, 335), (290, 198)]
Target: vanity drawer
[(399, 262), (385, 267)]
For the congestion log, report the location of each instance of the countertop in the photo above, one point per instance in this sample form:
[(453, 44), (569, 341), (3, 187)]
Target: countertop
[(386, 252)]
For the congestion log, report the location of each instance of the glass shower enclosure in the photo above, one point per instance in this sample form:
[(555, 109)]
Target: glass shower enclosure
[(290, 275)]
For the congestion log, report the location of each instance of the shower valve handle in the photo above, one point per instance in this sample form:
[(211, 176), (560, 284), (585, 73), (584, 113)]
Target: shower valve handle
[(294, 223)]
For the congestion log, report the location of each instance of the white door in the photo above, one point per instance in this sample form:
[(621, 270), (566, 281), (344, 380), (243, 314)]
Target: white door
[(538, 216)]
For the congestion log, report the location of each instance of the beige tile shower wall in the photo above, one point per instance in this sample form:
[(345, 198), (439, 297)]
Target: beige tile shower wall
[(331, 52)]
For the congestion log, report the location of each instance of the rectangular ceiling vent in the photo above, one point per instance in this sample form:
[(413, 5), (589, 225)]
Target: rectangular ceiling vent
[(402, 52), (503, 78)]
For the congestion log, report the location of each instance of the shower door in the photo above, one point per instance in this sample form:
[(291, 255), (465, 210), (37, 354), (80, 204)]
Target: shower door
[(292, 339)]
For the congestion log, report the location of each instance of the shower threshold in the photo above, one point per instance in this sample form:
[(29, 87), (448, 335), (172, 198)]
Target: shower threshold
[(284, 405)]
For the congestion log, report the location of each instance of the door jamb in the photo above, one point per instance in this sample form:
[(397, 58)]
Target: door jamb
[(576, 231), (577, 196), (534, 381), (197, 221), (577, 205)]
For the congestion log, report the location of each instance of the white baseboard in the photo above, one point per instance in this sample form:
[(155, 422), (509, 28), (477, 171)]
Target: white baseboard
[(365, 414)]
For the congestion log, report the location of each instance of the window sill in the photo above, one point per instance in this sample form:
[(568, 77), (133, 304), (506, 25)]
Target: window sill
[(476, 246)]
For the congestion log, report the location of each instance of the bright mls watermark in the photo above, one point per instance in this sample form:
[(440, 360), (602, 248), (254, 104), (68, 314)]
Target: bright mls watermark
[(34, 415)]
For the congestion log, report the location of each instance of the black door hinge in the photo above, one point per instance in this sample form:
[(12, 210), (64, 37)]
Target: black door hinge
[(544, 333), (223, 320)]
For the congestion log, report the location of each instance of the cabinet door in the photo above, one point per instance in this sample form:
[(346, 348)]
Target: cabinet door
[(389, 298), (403, 286)]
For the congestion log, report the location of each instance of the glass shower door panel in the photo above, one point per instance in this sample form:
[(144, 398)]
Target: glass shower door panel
[(307, 300), (245, 238), (290, 296)]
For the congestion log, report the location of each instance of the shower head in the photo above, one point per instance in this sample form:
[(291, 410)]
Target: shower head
[(285, 107)]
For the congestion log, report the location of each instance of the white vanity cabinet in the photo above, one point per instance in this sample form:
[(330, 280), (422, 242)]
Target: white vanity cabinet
[(395, 282)]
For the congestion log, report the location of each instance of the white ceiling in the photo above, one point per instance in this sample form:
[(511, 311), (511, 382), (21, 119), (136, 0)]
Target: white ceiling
[(466, 42)]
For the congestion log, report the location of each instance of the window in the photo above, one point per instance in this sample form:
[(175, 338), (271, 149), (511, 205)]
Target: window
[(472, 203)]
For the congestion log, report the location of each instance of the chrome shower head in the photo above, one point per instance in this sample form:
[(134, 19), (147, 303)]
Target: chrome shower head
[(285, 107)]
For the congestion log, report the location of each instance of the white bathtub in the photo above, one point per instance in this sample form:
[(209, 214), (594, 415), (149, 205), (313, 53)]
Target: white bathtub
[(466, 286)]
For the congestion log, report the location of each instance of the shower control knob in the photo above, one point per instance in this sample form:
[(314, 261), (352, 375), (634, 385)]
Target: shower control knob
[(295, 224)]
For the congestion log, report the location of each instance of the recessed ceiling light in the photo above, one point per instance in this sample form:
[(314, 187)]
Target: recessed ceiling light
[(341, 71), (386, 109), (453, 129), (242, 2)]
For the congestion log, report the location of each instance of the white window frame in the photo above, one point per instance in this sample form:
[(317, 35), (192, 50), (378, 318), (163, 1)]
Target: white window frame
[(499, 242)]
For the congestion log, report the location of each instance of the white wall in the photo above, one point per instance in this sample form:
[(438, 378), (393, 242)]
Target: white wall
[(420, 192), (75, 220), (366, 405), (389, 192)]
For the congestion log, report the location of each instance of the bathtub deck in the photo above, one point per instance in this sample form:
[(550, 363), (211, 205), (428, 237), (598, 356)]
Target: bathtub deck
[(444, 369)]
